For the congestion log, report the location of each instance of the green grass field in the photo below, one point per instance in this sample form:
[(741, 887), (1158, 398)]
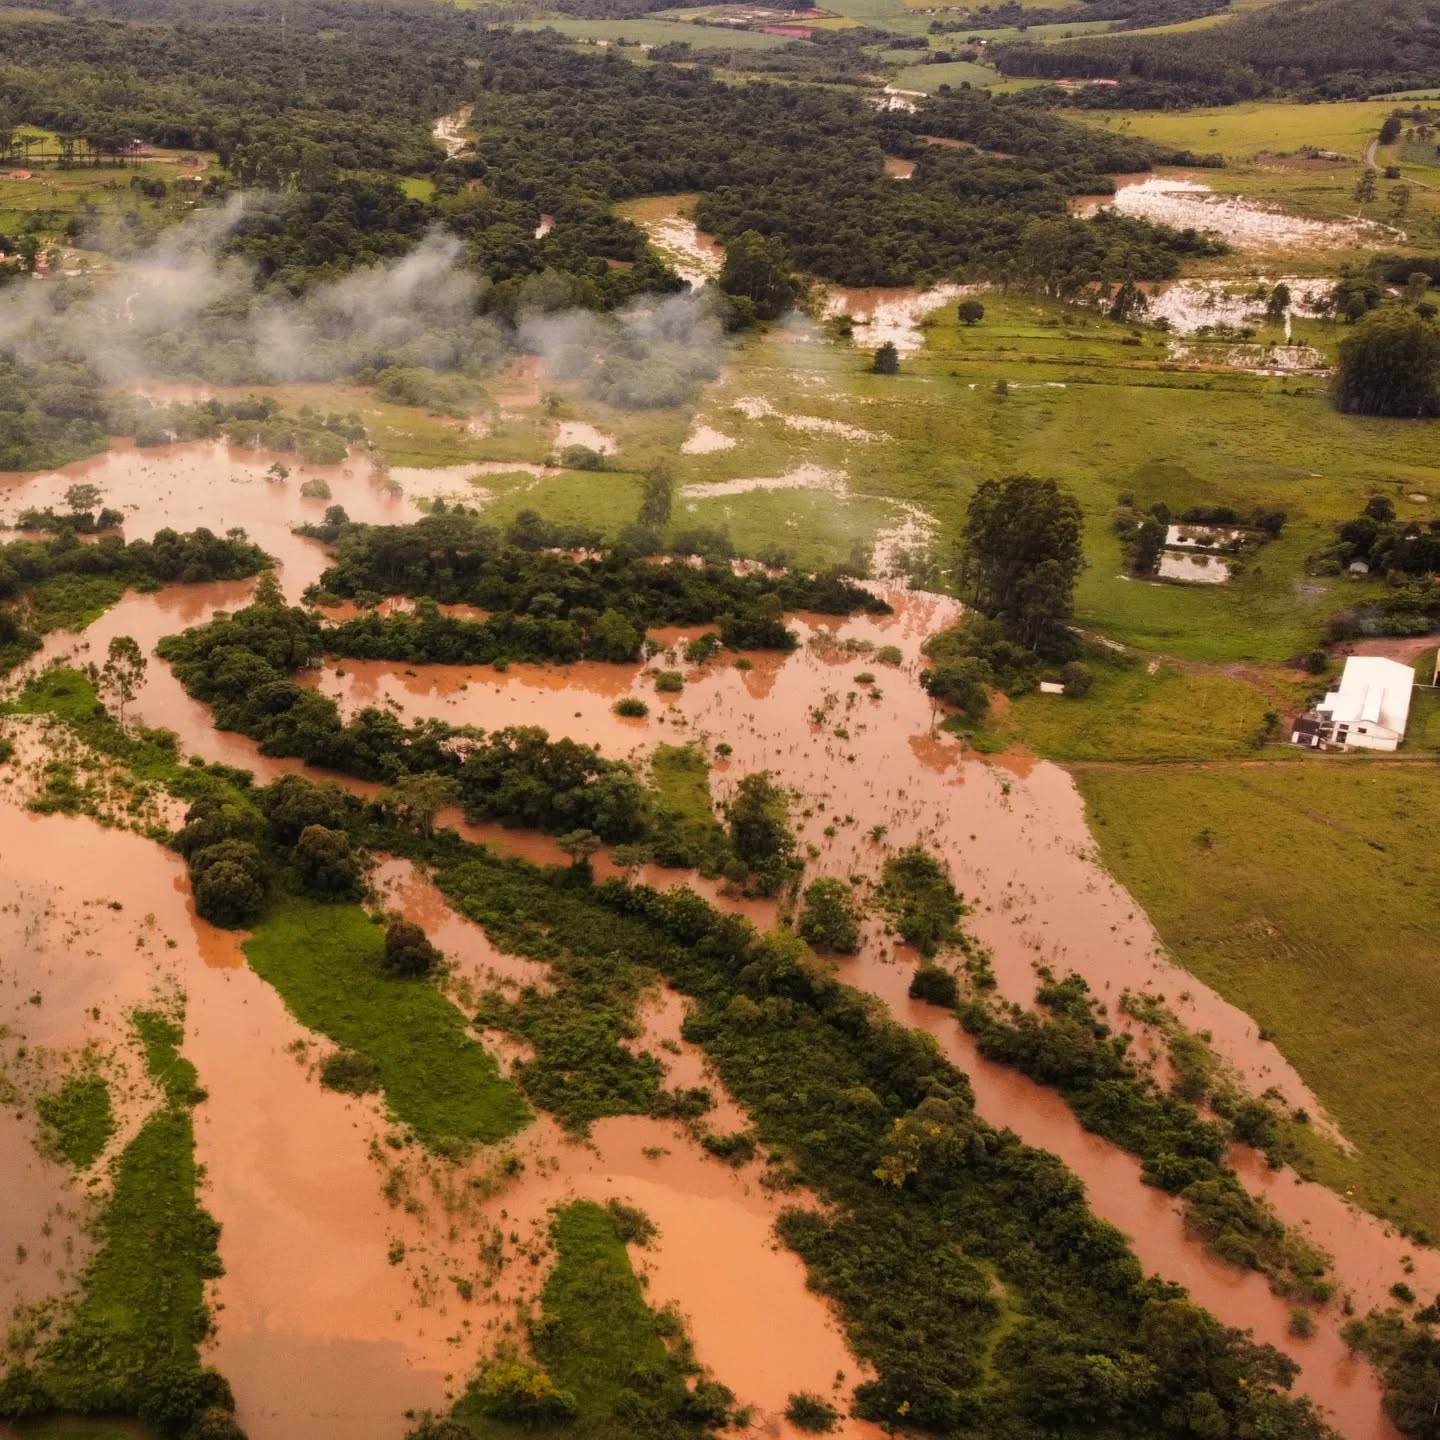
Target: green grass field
[(1131, 714), (953, 72), (325, 962), (48, 199), (1305, 894), (1241, 131), (659, 32), (1091, 402)]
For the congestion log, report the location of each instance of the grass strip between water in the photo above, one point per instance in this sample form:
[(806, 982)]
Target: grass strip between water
[(130, 1345), (325, 960), (602, 1346)]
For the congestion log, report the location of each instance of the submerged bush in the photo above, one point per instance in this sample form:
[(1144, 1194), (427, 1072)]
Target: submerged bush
[(808, 1411)]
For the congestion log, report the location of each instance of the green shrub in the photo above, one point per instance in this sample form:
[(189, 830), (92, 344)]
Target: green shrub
[(669, 682), (813, 1413), (632, 707), (935, 985), (349, 1073), (829, 919)]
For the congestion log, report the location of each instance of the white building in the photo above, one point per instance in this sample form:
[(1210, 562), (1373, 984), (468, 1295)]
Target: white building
[(1367, 711)]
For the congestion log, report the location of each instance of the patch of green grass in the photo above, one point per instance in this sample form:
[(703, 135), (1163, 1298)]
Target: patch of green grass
[(1423, 731), (659, 32), (953, 72), (160, 1038), (325, 960), (78, 1119), (148, 756), (131, 1343), (595, 1335), (1132, 714), (1240, 131), (70, 602), (1304, 894), (688, 832)]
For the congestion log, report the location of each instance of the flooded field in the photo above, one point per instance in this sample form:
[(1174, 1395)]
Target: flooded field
[(1194, 569), (293, 1173), (1182, 201), (892, 315), (669, 221), (1191, 305)]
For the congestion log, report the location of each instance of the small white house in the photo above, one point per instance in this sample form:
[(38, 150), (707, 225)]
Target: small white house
[(1367, 711)]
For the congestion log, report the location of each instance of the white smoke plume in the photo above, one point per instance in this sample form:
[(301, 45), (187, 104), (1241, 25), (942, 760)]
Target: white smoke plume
[(182, 309)]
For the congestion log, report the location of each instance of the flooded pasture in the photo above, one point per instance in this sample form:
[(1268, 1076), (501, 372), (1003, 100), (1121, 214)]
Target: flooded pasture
[(892, 315), (1193, 569), (669, 222), (1184, 202), (1191, 305)]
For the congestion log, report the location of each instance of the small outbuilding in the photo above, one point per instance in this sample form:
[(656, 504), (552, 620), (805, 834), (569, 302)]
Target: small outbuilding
[(1368, 710)]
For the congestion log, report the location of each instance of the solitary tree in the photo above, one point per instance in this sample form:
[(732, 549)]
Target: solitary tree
[(887, 360), (964, 683), (1020, 555), (758, 814), (579, 845), (277, 474), (407, 951), (324, 860), (82, 498), (122, 673), (971, 312), (1277, 302), (1400, 197), (1129, 301), (420, 798), (657, 490), (1365, 190), (1390, 365)]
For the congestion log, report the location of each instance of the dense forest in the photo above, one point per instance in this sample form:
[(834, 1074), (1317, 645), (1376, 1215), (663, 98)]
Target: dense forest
[(1312, 49), (561, 133)]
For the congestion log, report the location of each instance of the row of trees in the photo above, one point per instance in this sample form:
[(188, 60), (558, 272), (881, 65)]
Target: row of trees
[(598, 606)]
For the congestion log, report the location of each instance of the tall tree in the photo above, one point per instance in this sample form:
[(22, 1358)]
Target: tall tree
[(657, 491), (1020, 556), (1390, 365), (758, 270), (122, 674)]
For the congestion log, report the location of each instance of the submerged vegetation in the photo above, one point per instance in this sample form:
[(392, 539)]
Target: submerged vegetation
[(78, 1119), (605, 1364), (130, 1345)]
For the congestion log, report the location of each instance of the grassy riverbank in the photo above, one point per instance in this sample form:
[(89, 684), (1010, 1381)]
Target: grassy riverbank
[(1304, 895)]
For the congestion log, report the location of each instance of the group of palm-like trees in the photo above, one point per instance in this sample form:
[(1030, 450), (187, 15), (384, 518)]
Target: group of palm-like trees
[(31, 150)]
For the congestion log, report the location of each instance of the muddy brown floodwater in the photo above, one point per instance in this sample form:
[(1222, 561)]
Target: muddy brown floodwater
[(1017, 842), (319, 1331)]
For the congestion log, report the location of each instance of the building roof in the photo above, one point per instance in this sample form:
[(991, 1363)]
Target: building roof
[(1372, 691)]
